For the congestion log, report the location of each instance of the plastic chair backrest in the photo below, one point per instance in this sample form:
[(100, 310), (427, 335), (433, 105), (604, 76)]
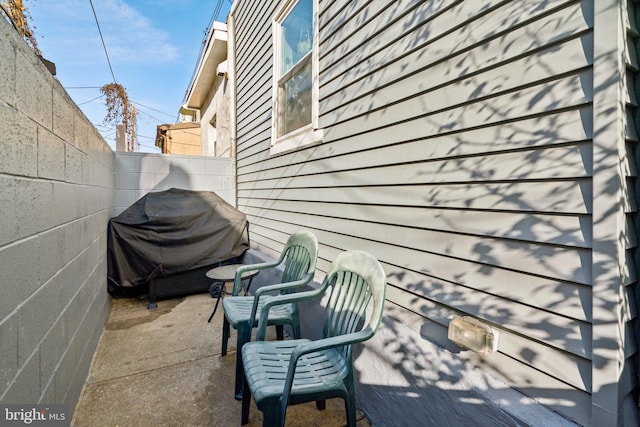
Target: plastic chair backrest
[(356, 278), (299, 256)]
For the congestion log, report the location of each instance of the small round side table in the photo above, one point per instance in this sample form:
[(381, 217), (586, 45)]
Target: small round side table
[(220, 276)]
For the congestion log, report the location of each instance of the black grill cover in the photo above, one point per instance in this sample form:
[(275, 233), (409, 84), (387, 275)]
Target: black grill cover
[(170, 232)]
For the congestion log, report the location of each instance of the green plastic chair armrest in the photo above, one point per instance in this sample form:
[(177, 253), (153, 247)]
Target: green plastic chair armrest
[(273, 288), (237, 282), (331, 342), (278, 286), (284, 299)]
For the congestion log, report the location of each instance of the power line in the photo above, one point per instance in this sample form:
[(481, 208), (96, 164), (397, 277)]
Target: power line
[(153, 117), (91, 100), (147, 146), (206, 34), (216, 11), (103, 44), (150, 108), (105, 128)]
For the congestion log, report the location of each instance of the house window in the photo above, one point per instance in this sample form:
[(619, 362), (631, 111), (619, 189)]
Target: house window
[(295, 92)]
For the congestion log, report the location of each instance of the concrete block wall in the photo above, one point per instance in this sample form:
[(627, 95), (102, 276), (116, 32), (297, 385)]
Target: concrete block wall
[(139, 173), (56, 197)]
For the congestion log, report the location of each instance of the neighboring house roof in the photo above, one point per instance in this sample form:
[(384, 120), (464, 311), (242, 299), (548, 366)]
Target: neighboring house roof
[(214, 52)]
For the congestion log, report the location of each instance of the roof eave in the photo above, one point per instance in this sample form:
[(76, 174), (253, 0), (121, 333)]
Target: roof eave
[(214, 53)]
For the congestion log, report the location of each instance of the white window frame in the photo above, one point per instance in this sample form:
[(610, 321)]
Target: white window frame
[(309, 134)]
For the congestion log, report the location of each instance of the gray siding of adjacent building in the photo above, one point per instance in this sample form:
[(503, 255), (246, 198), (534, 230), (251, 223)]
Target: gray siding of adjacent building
[(463, 147)]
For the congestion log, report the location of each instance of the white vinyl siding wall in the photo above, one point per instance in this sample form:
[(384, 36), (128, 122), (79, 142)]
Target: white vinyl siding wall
[(458, 149), (628, 388)]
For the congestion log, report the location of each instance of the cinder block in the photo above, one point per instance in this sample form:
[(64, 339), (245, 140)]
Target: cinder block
[(90, 197), (75, 313), (151, 181), (73, 165), (101, 269), (51, 155), (37, 314), (8, 350), (9, 217), (83, 346), (105, 198), (48, 394), (34, 92), (50, 255), (127, 180), (173, 180), (26, 385), (72, 240), (104, 175), (228, 183), (65, 203), (63, 115), (19, 153), (127, 162), (7, 64), (88, 205), (207, 183), (123, 199), (81, 131), (155, 163), (105, 154), (77, 381), (183, 164), (86, 169), (81, 266), (19, 275), (35, 201), (66, 370), (218, 166), (93, 227), (52, 349)]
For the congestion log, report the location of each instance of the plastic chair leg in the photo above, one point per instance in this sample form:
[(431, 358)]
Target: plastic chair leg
[(243, 337), (280, 332), (246, 403), (226, 331), (350, 408), (272, 417)]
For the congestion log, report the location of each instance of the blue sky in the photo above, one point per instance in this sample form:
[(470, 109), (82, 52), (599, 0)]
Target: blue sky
[(153, 46)]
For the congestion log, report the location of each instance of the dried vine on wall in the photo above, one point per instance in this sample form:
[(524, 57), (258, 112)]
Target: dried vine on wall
[(18, 14), (120, 110)]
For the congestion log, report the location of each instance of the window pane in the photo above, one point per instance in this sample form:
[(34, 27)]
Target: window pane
[(297, 35), (294, 99)]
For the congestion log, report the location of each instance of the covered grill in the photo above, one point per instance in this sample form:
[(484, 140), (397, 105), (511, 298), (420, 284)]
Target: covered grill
[(165, 242)]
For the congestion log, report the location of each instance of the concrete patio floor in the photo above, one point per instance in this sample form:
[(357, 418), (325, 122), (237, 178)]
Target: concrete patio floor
[(163, 367)]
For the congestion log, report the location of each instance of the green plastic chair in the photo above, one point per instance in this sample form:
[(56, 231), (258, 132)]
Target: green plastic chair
[(298, 258), (282, 373)]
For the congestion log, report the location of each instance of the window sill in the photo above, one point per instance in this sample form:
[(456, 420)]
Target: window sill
[(298, 139)]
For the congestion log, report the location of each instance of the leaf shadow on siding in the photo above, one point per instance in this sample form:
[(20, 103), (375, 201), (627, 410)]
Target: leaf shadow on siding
[(548, 329), (505, 145), (550, 337)]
